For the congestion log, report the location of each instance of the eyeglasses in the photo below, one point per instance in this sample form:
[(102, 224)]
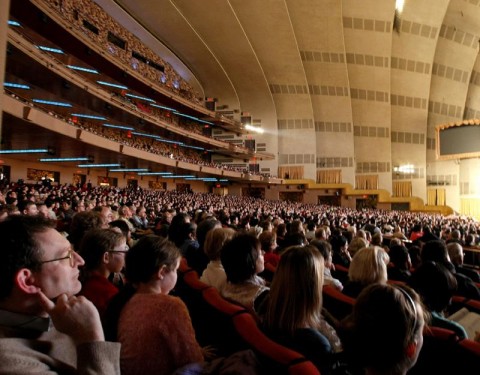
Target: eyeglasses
[(126, 248), (70, 256)]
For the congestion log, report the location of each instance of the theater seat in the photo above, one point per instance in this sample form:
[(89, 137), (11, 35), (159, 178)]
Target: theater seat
[(279, 358), (444, 353), (210, 314), (396, 282), (213, 297), (268, 272), (340, 273), (191, 279), (459, 301), (472, 346), (336, 303)]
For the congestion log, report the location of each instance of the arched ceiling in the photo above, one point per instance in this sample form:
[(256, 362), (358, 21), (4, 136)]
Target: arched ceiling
[(237, 48)]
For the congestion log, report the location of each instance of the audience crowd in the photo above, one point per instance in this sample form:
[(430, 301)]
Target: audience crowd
[(83, 13), (273, 258)]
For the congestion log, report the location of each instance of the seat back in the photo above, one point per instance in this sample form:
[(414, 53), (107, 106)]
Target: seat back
[(340, 273), (277, 358), (336, 303), (438, 353), (230, 328), (213, 327), (458, 302), (473, 347), (268, 272)]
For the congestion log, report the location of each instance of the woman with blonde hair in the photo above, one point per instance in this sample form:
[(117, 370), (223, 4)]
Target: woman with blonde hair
[(293, 307), (368, 266), (214, 274)]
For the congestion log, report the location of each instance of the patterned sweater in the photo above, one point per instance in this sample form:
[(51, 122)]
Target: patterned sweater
[(157, 335)]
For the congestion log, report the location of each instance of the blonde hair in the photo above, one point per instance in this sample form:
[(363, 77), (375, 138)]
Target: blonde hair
[(295, 299), (215, 240), (369, 265)]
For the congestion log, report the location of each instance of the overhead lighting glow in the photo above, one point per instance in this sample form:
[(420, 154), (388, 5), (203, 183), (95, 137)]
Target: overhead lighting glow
[(88, 116), (140, 97), (155, 173), (407, 169), (254, 129), (180, 176), (103, 83), (118, 127), (13, 23), (64, 159), (129, 170), (50, 49), (162, 107), (82, 69), (16, 86), (99, 165), (25, 151), (50, 102), (399, 4)]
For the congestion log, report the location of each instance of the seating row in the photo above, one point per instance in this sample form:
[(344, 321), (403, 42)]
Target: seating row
[(230, 328)]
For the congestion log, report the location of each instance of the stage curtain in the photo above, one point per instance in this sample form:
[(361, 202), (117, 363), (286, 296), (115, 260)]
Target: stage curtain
[(436, 197), (470, 207), (332, 176), (366, 182), (441, 197), (432, 197), (291, 172), (402, 188)]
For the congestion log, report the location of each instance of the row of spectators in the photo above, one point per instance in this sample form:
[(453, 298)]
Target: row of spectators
[(230, 241), (76, 12), (242, 210)]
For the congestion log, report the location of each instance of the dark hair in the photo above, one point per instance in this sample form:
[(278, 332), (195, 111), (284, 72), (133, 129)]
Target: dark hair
[(147, 256), (435, 283), (385, 320), (186, 229), (19, 247), (95, 244), (143, 260), (414, 252), (174, 230), (399, 256), (337, 243), (267, 239), (239, 257), (204, 227), (435, 251), (120, 224), (324, 247), (82, 222)]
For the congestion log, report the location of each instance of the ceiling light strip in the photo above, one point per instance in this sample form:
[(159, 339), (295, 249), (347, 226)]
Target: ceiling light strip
[(25, 151), (48, 160)]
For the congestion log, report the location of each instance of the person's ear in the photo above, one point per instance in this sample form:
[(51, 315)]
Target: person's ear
[(411, 349), (162, 272), (25, 281), (106, 257)]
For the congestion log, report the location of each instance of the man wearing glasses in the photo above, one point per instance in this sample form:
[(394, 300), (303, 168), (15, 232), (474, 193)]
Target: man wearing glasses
[(44, 327)]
